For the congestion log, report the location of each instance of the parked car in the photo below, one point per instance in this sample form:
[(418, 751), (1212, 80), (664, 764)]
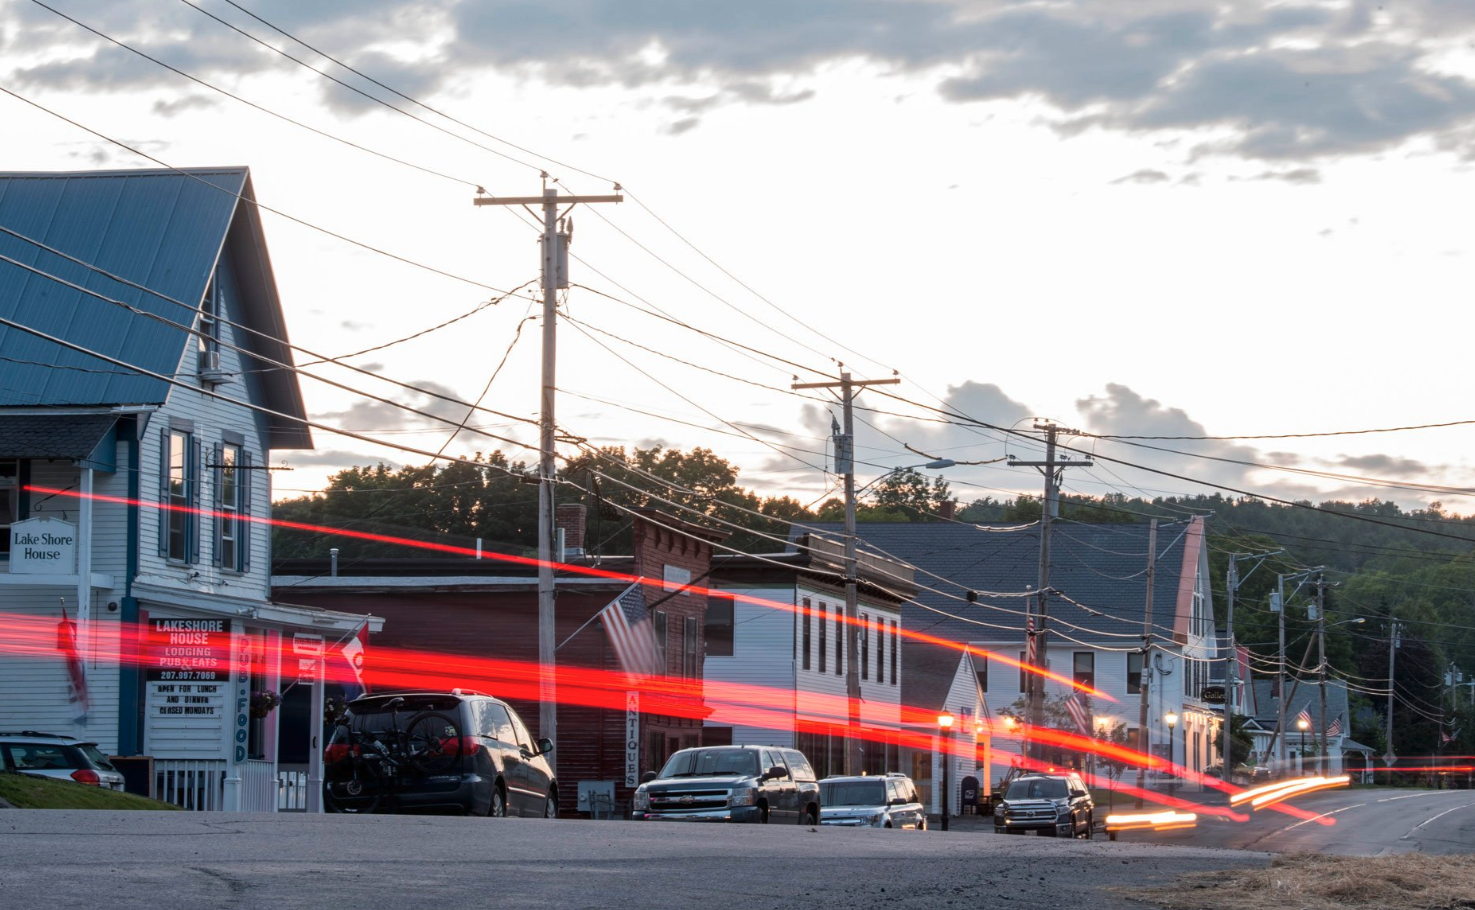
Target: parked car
[(1052, 805), (888, 801), (756, 784), (490, 765), (58, 756)]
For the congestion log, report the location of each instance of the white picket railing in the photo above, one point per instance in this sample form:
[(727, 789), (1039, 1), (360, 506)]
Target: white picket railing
[(191, 783), (258, 786)]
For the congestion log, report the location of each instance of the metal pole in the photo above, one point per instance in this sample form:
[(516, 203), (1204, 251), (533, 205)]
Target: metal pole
[(1392, 655), (1321, 759), (1231, 667), (1042, 610), (1280, 708), (1144, 740), (946, 786)]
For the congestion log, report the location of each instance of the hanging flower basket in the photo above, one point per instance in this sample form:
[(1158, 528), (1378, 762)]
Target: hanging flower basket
[(264, 702), (333, 709)]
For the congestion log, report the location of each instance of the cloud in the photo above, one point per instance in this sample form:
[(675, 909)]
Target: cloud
[(375, 416), (1386, 465), (1146, 175), (332, 458), (1269, 81), (685, 124), (185, 103), (1300, 175)]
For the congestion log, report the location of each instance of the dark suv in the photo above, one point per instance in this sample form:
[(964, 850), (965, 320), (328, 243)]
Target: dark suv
[(490, 764), (731, 784), (1053, 805)]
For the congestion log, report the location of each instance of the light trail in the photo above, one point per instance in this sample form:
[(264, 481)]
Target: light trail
[(586, 571)]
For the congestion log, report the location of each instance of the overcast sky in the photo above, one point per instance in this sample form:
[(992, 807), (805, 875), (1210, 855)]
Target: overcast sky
[(1142, 218)]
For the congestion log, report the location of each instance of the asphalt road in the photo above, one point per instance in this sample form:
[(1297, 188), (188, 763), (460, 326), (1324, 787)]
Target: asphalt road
[(1353, 822), (164, 860)]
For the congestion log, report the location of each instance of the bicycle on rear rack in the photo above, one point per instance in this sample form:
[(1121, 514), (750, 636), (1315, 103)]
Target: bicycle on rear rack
[(362, 767)]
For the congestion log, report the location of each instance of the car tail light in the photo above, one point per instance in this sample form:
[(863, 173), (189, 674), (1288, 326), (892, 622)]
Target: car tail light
[(467, 746), (87, 776)]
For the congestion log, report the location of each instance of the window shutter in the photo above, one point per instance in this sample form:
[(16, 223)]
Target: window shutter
[(217, 477), (245, 525), (163, 510), (192, 484)]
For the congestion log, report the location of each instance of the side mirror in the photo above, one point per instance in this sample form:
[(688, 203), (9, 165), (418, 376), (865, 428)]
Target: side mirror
[(545, 745), (647, 777), (776, 771)]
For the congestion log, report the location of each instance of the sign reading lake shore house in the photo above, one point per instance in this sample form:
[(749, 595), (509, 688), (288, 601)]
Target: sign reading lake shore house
[(43, 546)]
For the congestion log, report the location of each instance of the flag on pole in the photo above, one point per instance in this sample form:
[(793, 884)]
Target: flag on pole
[(1029, 641), (1304, 715), (348, 665), (1445, 739), (1335, 727), (1076, 707), (630, 633), (66, 642)]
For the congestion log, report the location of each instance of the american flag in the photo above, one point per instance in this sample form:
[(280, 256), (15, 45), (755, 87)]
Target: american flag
[(66, 643), (1335, 727), (1304, 715), (1029, 641), (1077, 709), (630, 634), (1445, 739)]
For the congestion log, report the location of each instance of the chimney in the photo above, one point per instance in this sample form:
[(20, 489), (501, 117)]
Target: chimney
[(570, 518), (947, 509)]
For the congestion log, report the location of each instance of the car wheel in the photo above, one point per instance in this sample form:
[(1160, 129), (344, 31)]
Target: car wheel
[(762, 813), (550, 807), (807, 817), (1090, 825), (499, 802)]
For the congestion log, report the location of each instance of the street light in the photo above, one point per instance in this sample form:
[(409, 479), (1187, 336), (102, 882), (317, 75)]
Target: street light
[(1171, 720), (1302, 723), (945, 728)]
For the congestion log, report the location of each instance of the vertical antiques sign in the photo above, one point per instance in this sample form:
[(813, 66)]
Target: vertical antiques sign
[(632, 739)]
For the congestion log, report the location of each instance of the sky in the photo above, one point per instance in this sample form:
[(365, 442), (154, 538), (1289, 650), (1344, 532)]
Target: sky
[(1138, 218)]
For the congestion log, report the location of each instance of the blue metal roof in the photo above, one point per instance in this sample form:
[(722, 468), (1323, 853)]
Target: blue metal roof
[(161, 229)]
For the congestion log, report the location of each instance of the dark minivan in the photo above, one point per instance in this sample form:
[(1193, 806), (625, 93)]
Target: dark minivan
[(486, 761), (755, 784)]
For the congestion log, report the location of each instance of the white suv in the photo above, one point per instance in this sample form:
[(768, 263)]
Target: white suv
[(888, 801), (60, 757)]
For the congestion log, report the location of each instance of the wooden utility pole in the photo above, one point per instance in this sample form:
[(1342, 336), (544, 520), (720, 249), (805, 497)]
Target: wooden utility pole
[(557, 233), (1144, 681), (845, 465), (1036, 640)]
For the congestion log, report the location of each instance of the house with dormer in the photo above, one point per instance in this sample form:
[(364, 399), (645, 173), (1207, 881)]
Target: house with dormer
[(148, 384)]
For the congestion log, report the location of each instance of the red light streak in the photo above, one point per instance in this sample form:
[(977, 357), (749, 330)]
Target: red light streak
[(586, 571)]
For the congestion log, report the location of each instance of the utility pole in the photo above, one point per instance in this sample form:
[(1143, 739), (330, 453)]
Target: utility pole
[(1321, 666), (555, 244), (1277, 604), (1231, 668), (1038, 640), (1394, 630), (845, 464), (1144, 740)]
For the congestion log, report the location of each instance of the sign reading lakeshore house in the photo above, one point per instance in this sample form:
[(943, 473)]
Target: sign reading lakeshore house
[(43, 546), (188, 672)]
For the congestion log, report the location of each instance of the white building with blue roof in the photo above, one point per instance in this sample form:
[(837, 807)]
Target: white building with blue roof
[(148, 381)]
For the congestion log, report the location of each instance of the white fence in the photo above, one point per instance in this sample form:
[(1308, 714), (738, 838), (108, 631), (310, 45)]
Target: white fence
[(191, 783)]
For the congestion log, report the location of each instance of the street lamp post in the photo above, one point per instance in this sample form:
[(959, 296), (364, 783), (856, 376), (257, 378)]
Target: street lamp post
[(945, 729), (1171, 720), (1301, 725)]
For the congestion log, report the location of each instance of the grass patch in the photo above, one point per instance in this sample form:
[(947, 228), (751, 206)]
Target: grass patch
[(1309, 881), (24, 792)]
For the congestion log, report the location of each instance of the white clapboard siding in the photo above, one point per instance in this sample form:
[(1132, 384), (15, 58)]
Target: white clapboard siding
[(762, 658)]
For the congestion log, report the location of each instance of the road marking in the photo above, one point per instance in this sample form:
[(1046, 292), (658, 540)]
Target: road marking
[(1316, 817), (1434, 819), (1389, 799)]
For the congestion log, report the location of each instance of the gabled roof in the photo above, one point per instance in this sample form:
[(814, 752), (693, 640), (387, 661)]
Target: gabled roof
[(1307, 697), (164, 230), (1102, 568)]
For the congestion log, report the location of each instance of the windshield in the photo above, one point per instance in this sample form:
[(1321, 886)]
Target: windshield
[(97, 757), (1047, 788), (712, 763), (853, 793)]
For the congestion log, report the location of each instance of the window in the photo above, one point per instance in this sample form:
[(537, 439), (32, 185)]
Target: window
[(691, 644), (208, 341), (824, 625), (895, 634), (179, 494), (881, 650), (805, 621), (9, 500), (658, 620), (865, 646), (839, 642), (980, 669), (1084, 670), (719, 625), (1134, 673), (232, 466)]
